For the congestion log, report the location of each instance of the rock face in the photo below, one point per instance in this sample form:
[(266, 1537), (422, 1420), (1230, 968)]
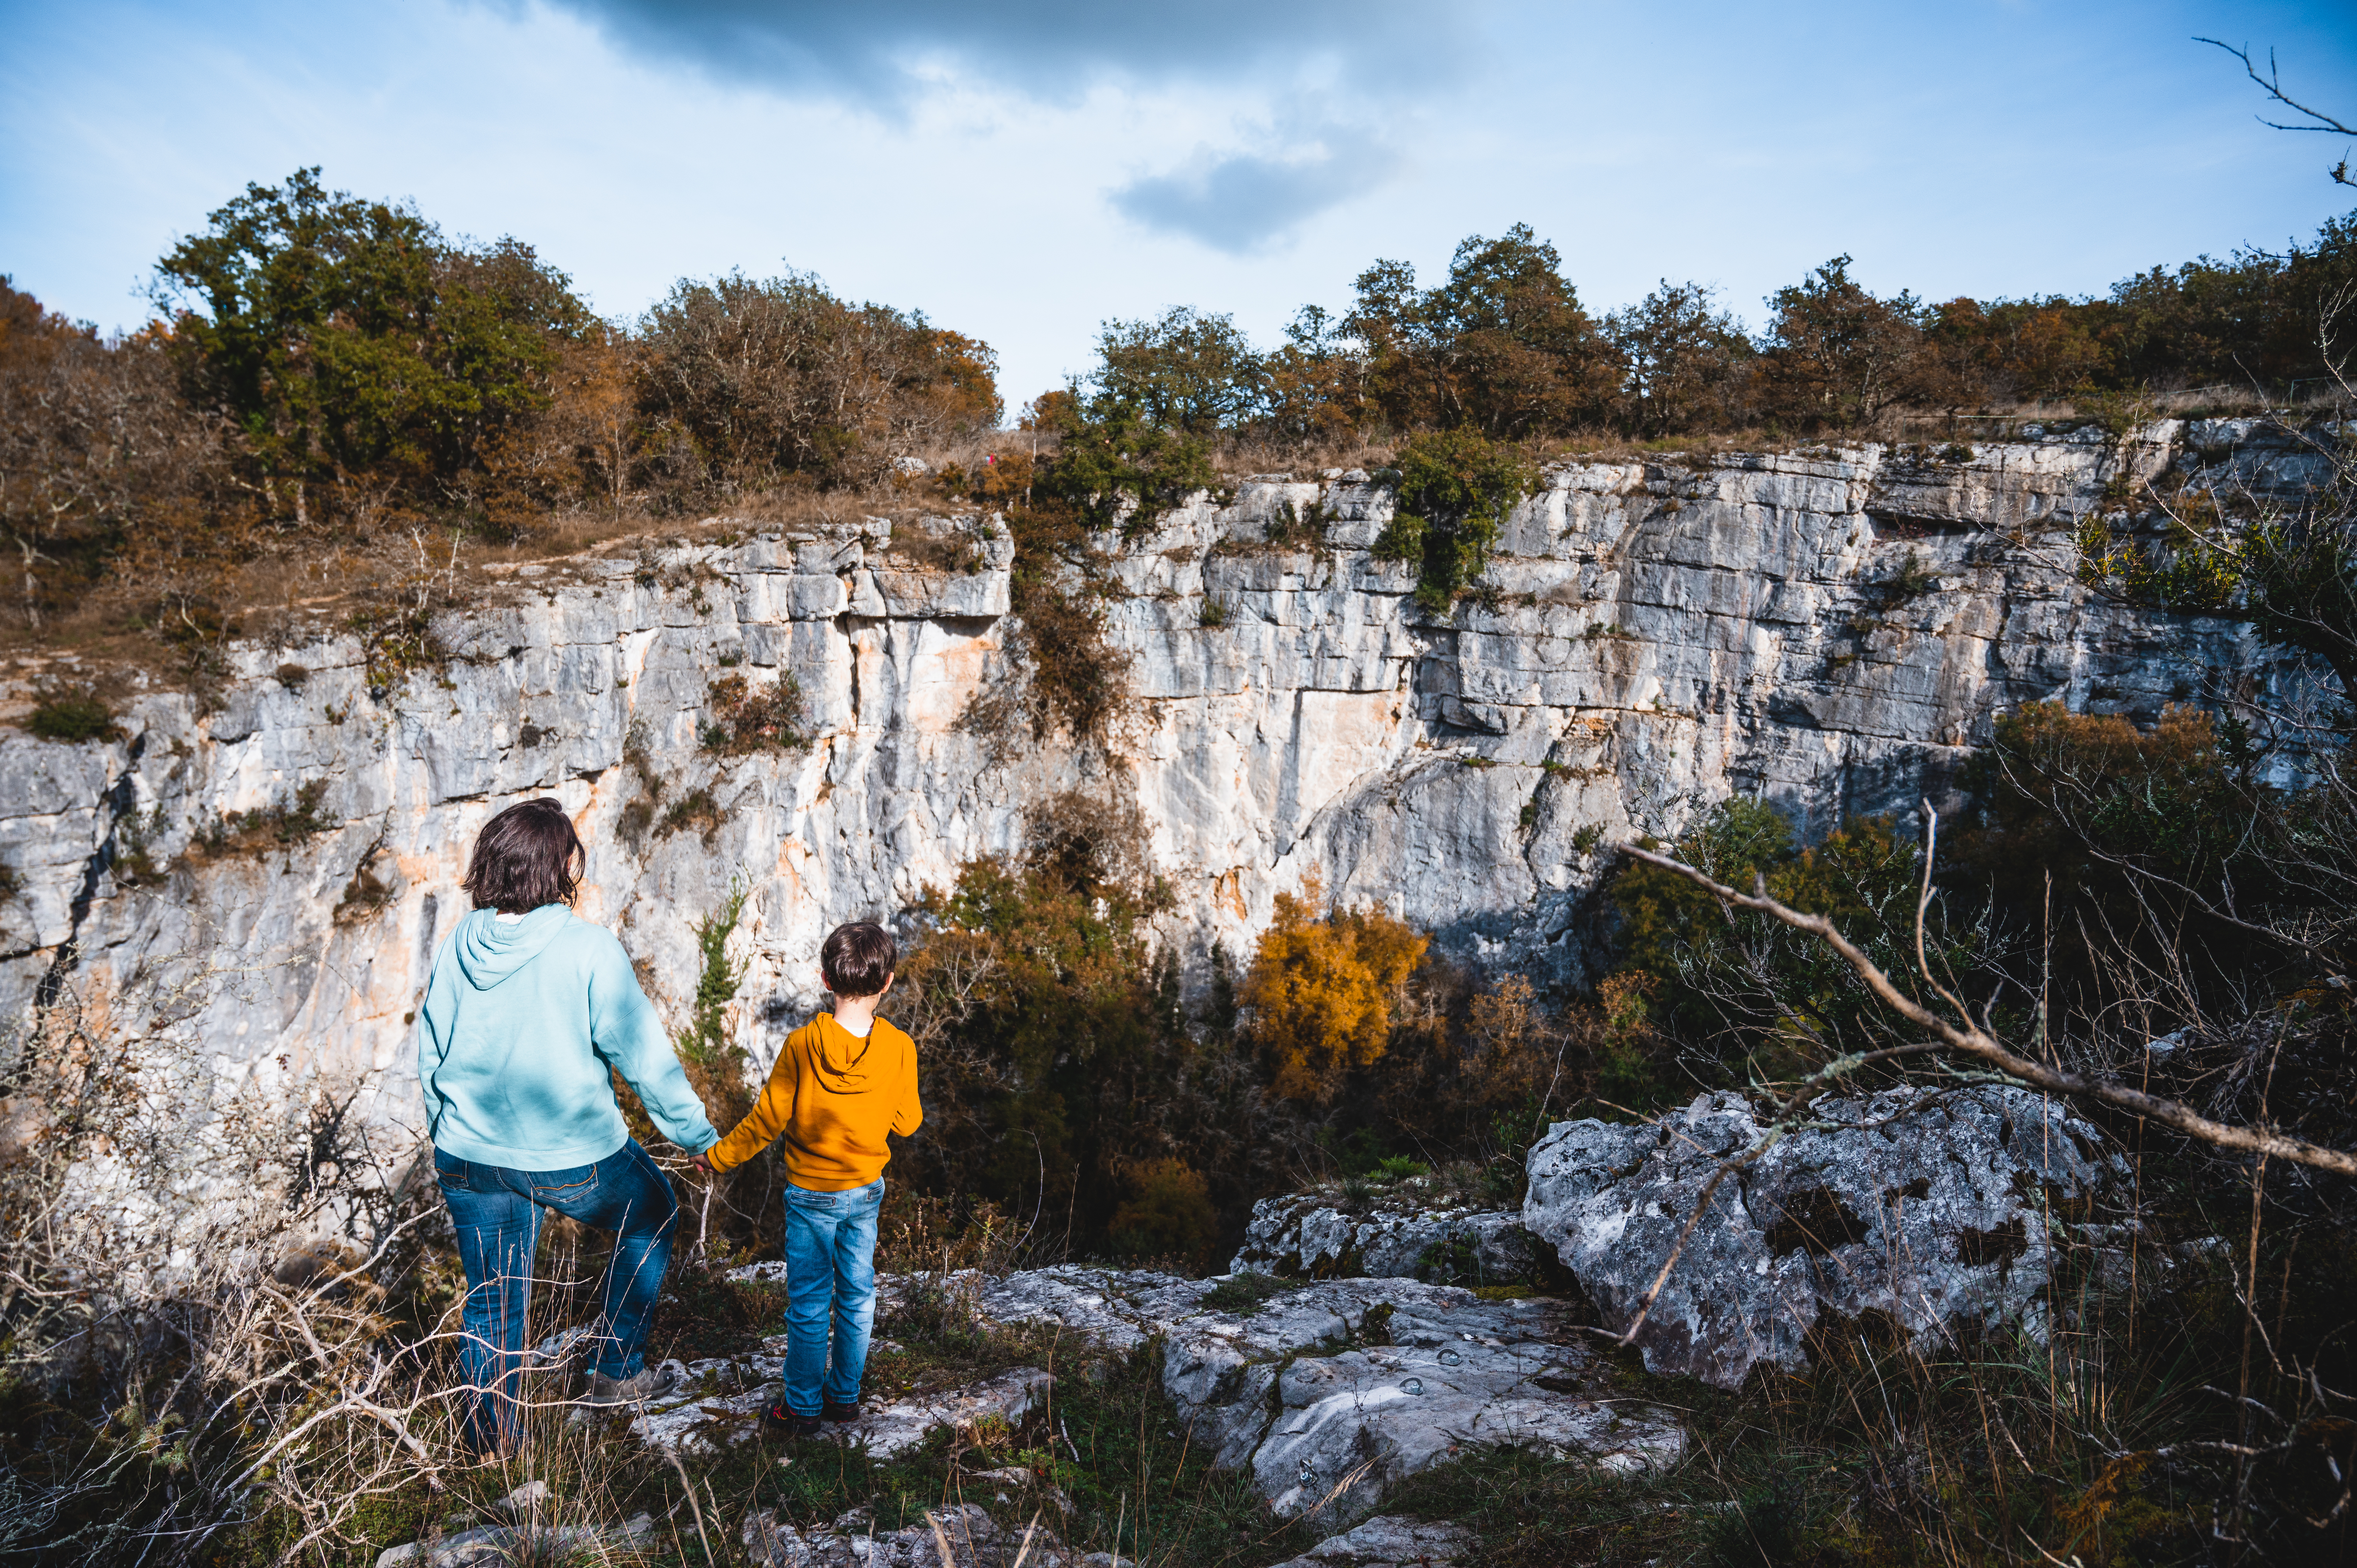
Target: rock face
[(1330, 1394), (1318, 1235), (1932, 1208), (1830, 628)]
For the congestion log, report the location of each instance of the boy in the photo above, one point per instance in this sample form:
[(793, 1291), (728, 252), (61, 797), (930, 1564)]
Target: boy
[(842, 1082)]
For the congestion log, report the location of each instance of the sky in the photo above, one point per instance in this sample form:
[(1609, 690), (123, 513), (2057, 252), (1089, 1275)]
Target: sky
[(1023, 172)]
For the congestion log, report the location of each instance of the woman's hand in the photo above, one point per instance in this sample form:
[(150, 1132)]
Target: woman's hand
[(700, 1163)]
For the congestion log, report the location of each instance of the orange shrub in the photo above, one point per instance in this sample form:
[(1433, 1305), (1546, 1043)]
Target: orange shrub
[(1320, 990)]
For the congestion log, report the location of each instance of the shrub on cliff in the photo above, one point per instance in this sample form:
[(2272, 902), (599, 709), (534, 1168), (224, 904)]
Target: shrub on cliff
[(746, 718), (765, 378), (1060, 1077), (1116, 464), (1455, 490)]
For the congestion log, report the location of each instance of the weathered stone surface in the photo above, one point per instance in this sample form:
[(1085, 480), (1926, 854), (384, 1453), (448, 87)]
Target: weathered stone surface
[(1934, 1208), (974, 1540), (1332, 1393), (722, 1400), (1661, 635), (1388, 1540), (501, 1545), (1313, 1235)]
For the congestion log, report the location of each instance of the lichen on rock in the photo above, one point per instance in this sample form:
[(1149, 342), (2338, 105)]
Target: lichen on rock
[(1934, 1208)]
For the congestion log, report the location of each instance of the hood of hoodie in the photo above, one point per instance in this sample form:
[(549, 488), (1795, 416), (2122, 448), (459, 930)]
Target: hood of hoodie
[(490, 949), (841, 1057)]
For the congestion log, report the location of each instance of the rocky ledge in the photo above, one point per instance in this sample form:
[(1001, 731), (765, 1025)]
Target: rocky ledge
[(1324, 1234), (1331, 1392)]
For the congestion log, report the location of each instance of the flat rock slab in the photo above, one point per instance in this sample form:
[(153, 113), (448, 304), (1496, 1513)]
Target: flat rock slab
[(1331, 1392), (1387, 1541), (723, 1400), (1935, 1209), (970, 1537)]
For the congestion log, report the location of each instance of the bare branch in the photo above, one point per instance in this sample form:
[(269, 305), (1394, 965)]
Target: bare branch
[(1968, 1040), (2272, 84)]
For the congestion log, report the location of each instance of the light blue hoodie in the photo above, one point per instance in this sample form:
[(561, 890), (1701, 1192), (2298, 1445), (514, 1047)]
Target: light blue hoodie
[(522, 1019)]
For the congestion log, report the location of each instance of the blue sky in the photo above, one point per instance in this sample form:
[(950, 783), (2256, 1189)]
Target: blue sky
[(1023, 171)]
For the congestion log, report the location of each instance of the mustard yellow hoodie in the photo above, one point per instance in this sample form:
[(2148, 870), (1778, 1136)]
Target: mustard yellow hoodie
[(833, 1095)]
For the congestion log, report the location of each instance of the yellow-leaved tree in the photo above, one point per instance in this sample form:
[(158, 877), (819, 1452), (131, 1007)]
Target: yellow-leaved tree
[(1320, 991)]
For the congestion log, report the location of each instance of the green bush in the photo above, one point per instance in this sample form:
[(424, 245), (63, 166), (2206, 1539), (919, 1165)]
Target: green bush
[(73, 716), (1744, 990), (1455, 490)]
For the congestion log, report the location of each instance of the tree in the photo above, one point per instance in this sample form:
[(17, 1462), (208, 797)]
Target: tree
[(1684, 364), (1313, 389), (770, 376), (1185, 370), (1502, 344), (1838, 355), (96, 448), (351, 345)]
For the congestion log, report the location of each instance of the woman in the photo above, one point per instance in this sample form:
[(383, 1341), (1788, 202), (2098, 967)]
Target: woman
[(528, 1011)]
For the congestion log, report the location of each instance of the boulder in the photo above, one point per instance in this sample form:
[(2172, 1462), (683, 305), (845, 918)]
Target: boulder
[(1932, 1208), (1331, 1392), (1318, 1235)]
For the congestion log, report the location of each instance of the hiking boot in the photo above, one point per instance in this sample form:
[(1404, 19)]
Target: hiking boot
[(833, 1412), (780, 1421), (652, 1384)]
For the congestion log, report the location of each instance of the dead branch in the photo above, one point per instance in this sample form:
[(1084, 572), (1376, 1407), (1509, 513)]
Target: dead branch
[(2272, 84), (1969, 1039)]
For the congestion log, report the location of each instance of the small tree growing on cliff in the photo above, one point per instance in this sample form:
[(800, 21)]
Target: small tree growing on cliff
[(1457, 488)]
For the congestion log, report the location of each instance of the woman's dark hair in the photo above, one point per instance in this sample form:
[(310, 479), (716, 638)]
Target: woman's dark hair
[(858, 959), (525, 857)]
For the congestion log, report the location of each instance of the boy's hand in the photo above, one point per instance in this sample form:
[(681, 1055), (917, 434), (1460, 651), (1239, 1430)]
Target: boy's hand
[(700, 1163)]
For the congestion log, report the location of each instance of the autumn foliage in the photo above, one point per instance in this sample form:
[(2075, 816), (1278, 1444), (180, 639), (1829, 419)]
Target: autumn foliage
[(1321, 990)]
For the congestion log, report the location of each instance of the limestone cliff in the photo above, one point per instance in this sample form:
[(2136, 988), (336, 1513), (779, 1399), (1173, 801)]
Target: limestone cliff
[(1833, 629)]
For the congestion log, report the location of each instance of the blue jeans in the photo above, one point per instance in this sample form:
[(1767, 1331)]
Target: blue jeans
[(830, 1272), (497, 1213)]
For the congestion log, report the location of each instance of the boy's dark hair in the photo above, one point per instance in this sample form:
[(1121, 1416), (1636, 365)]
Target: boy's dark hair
[(858, 959), (523, 858)]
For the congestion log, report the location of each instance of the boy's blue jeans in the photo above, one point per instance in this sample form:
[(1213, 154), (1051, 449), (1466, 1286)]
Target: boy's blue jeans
[(830, 1273), (497, 1213)]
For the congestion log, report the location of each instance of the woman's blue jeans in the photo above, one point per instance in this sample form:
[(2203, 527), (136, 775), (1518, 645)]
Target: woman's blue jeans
[(830, 1273), (497, 1213)]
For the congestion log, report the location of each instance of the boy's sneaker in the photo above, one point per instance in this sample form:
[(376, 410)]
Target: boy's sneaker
[(780, 1421), (652, 1384), (833, 1412)]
